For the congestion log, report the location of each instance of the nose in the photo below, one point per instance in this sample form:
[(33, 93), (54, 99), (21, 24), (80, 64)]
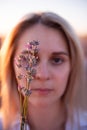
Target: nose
[(42, 72)]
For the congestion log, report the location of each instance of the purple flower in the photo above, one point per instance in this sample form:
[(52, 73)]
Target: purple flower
[(27, 60)]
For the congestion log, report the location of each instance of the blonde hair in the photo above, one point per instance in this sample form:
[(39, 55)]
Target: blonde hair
[(10, 97)]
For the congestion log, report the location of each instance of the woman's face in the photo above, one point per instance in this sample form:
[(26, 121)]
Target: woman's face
[(53, 66)]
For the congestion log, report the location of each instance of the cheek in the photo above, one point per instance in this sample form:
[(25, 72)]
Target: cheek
[(61, 81)]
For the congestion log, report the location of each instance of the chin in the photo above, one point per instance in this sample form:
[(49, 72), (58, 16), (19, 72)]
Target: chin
[(43, 101)]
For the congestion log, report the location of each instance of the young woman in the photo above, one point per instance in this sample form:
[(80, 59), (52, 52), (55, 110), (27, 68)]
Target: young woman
[(56, 89)]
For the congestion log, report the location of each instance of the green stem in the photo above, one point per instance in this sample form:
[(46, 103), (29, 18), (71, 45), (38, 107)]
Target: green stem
[(23, 108)]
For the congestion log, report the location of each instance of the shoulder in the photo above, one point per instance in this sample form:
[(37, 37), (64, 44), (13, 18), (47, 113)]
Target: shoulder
[(1, 124), (83, 120), (16, 125), (80, 120)]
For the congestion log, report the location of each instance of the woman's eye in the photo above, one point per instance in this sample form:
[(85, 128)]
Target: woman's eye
[(57, 60)]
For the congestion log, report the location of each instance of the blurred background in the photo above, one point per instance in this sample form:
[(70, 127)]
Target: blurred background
[(74, 11)]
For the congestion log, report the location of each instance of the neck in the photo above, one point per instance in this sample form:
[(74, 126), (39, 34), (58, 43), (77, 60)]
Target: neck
[(51, 117)]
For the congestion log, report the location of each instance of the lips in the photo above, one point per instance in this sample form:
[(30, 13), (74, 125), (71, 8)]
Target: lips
[(42, 90)]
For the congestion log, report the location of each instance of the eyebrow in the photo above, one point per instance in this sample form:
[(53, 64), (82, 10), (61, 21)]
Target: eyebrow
[(60, 53)]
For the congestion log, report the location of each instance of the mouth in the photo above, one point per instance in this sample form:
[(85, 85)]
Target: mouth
[(42, 91)]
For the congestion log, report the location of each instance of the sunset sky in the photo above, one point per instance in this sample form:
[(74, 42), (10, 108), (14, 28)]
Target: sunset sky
[(74, 11)]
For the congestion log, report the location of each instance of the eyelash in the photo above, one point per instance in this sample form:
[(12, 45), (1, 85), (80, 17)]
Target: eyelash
[(54, 60), (57, 60)]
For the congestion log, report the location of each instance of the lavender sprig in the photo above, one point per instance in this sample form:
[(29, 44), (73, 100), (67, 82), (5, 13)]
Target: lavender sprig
[(27, 61)]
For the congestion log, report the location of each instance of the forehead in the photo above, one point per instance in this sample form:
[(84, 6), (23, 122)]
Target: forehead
[(50, 39)]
